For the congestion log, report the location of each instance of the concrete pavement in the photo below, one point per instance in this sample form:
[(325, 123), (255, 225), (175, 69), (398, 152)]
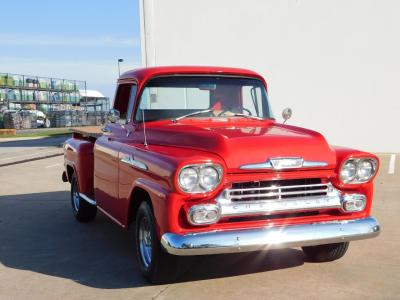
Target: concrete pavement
[(46, 254), (17, 150)]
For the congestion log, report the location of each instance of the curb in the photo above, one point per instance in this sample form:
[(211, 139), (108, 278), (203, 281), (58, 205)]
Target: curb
[(29, 138), (30, 159)]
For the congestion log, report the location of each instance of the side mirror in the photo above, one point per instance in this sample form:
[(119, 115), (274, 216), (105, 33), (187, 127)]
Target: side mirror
[(286, 114), (113, 116)]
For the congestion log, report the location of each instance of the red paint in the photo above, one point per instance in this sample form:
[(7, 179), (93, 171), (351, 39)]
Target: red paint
[(230, 143)]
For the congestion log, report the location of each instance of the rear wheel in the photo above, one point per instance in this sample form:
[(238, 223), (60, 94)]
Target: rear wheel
[(83, 211), (156, 265), (324, 253)]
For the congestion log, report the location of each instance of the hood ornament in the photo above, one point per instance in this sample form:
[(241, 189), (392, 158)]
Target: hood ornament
[(281, 163)]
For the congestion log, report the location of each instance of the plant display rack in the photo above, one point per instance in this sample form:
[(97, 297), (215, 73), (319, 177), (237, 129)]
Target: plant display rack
[(53, 92)]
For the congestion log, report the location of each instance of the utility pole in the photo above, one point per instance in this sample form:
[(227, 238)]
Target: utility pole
[(120, 60)]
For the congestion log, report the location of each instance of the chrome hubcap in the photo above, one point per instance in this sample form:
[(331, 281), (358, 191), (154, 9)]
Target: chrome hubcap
[(145, 242), (76, 199)]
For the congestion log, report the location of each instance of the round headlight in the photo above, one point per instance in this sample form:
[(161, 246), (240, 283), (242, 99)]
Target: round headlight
[(188, 178), (358, 170), (200, 178), (209, 178), (365, 170), (348, 172)]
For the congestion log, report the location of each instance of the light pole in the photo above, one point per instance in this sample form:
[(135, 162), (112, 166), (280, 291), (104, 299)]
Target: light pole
[(120, 60)]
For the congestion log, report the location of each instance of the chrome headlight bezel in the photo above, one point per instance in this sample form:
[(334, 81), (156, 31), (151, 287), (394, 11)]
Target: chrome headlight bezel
[(359, 165), (200, 187)]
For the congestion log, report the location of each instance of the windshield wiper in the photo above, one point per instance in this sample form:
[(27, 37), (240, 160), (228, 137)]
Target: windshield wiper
[(192, 114), (247, 116)]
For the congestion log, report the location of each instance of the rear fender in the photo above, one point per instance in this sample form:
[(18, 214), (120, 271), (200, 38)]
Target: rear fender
[(78, 154)]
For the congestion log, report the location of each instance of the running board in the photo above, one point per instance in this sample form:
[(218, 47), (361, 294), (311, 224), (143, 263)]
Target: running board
[(87, 199)]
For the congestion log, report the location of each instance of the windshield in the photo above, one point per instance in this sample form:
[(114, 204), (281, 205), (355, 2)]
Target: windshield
[(177, 97)]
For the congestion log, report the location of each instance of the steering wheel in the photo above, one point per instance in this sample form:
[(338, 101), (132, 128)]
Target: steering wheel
[(226, 110)]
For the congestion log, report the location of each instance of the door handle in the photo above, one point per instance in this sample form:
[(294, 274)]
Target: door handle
[(129, 160)]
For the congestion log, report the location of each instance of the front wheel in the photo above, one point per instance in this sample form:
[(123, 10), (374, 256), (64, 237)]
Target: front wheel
[(83, 211), (156, 265), (325, 253)]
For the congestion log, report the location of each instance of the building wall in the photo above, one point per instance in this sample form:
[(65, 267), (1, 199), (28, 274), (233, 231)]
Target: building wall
[(335, 63)]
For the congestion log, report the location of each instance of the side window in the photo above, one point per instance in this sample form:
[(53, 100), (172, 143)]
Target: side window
[(132, 98), (125, 100)]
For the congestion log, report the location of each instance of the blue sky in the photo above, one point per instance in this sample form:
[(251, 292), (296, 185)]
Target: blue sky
[(74, 39)]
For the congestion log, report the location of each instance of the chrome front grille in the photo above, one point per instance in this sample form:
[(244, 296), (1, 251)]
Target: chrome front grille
[(278, 189), (277, 197)]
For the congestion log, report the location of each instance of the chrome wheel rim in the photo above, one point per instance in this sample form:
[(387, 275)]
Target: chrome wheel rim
[(76, 200), (145, 242)]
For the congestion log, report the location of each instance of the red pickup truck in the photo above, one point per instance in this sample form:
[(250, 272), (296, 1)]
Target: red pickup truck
[(195, 159)]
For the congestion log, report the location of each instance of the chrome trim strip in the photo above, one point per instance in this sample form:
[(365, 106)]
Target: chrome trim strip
[(270, 165), (281, 187), (233, 241), (87, 199), (129, 160), (312, 164), (266, 165), (273, 194)]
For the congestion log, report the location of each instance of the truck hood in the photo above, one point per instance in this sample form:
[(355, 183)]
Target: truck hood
[(246, 144)]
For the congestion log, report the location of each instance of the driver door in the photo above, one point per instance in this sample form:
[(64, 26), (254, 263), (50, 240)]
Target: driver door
[(106, 154)]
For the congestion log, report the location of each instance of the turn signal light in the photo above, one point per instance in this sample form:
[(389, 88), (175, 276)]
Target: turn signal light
[(353, 202), (204, 214)]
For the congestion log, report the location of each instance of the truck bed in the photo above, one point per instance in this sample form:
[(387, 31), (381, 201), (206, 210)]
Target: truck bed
[(91, 132)]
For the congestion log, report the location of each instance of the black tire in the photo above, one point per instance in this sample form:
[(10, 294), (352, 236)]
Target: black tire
[(83, 211), (161, 267), (325, 253)]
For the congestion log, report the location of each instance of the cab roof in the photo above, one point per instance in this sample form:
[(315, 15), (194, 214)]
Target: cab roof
[(144, 74)]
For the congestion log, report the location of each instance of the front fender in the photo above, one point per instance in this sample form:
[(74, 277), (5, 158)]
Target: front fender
[(158, 196)]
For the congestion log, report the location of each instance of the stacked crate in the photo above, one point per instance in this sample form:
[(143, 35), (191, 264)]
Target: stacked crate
[(19, 120), (66, 118), (17, 80), (3, 94), (60, 120), (28, 120), (9, 120), (3, 79), (63, 118)]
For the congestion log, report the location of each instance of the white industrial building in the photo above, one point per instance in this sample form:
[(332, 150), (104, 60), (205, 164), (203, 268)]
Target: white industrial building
[(335, 63)]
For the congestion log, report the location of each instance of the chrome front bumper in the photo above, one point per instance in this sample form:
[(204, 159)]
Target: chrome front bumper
[(217, 242)]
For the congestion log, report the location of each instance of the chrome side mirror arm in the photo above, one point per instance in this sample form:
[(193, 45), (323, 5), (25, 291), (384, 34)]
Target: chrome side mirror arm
[(286, 114), (113, 116)]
